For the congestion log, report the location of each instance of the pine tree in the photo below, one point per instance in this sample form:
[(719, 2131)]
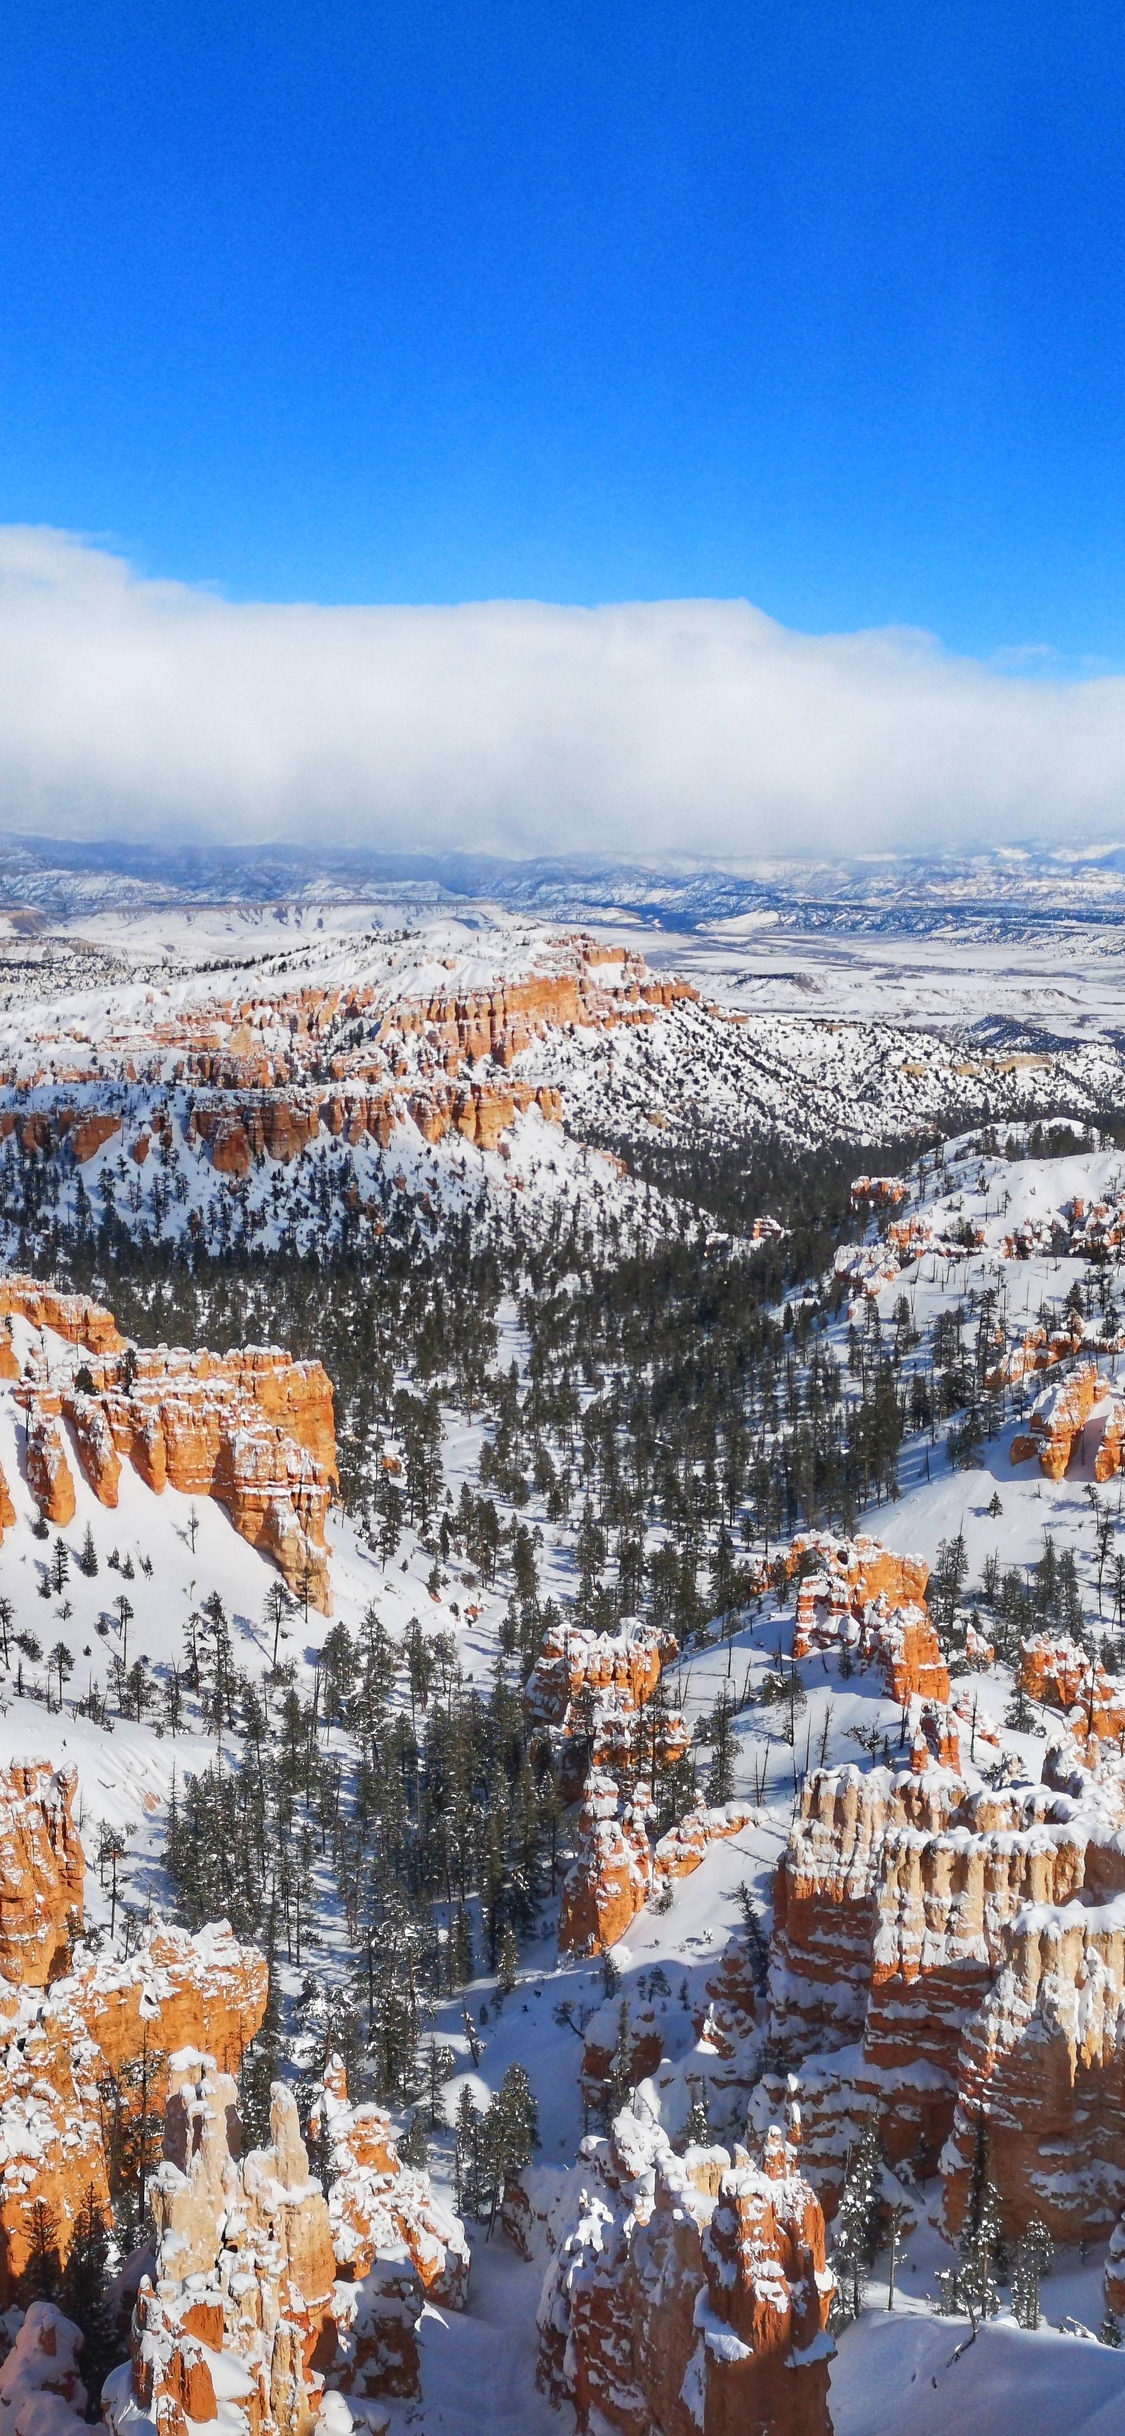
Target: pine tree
[(460, 1947), (757, 1943), (981, 2243), (619, 2079), (856, 2227), (697, 2131), (720, 1775), (513, 2122), (440, 2063), (41, 2275), (414, 2147), (1034, 2252), (507, 2135), (466, 2159), (84, 2295), (261, 2064), (507, 1968)]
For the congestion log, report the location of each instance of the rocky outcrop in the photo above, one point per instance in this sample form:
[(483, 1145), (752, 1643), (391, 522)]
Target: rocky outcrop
[(103, 2037), (253, 1429), (73, 1317), (41, 2388), (52, 2146), (617, 1866), (70, 2037), (1043, 2066), (49, 1476), (240, 1081), (380, 2210), (42, 1873), (1056, 1671), (625, 1666), (858, 1595), (712, 2054), (611, 1877), (251, 2300), (593, 1696), (879, 1192), (946, 1957), (1058, 1421), (176, 1990), (687, 2295)]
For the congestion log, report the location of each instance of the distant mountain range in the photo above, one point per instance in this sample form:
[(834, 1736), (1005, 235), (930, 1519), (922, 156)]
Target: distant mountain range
[(1000, 893)]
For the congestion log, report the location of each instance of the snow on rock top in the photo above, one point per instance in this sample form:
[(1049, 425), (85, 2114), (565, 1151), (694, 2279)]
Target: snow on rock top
[(944, 1957)]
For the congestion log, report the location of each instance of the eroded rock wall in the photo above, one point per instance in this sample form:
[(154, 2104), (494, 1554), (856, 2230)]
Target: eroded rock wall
[(253, 1429), (689, 2295)]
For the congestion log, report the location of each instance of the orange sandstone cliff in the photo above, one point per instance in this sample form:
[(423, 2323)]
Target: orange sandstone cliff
[(253, 1429)]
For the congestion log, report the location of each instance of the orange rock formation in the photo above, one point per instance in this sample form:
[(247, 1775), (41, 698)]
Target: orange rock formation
[(862, 1596), (63, 2032), (261, 1077), (617, 1867), (689, 2295), (593, 1695), (265, 2293), (960, 1954), (42, 1873), (1058, 1672), (253, 1429), (1058, 1423)]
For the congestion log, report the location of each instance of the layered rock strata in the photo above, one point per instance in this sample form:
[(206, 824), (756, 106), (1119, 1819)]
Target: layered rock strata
[(858, 1595), (1058, 1421), (949, 1957), (393, 2242), (617, 1866), (253, 1429), (263, 1077), (73, 2040), (593, 1696), (1055, 1670), (42, 1875)]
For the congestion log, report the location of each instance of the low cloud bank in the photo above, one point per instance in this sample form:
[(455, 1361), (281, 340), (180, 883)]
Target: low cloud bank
[(670, 727)]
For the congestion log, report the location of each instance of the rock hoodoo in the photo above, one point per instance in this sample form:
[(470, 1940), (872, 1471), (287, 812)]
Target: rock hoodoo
[(617, 1866), (687, 2295), (42, 1875), (265, 2293), (598, 1699), (68, 2032), (946, 1956), (238, 1081), (862, 1596)]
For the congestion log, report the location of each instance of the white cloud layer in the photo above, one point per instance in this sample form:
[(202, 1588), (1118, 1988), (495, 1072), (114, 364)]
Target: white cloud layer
[(673, 727)]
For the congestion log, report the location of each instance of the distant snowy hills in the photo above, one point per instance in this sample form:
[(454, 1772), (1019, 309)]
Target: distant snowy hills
[(1010, 892)]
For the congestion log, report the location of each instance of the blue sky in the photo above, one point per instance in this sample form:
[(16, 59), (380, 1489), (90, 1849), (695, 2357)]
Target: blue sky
[(820, 305)]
